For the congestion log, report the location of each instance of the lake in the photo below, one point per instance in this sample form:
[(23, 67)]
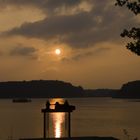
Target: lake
[(92, 117)]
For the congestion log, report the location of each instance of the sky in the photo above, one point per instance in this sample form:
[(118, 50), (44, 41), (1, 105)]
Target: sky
[(87, 32)]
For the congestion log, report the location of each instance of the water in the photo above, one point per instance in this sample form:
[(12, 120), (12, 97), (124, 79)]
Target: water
[(92, 117)]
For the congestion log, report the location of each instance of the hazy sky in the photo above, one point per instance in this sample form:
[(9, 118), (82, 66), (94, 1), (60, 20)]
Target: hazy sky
[(87, 32)]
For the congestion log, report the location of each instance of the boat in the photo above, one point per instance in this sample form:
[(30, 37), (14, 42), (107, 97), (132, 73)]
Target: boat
[(21, 100)]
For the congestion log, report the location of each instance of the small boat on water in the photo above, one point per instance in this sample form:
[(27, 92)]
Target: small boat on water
[(21, 100)]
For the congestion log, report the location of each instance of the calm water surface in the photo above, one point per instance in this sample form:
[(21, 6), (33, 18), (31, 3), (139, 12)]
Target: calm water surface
[(93, 116)]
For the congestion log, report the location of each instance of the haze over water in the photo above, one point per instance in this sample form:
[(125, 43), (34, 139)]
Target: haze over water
[(92, 117)]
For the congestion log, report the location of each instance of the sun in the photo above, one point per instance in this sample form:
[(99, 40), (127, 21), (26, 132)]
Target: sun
[(57, 51)]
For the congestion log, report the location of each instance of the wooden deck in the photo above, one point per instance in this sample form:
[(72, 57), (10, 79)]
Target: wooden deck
[(74, 138)]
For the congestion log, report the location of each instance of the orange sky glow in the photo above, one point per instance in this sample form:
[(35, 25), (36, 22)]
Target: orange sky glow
[(84, 34)]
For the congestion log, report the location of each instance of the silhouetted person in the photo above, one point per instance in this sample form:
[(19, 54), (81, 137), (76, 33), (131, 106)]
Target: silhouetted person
[(47, 105), (66, 103), (57, 105)]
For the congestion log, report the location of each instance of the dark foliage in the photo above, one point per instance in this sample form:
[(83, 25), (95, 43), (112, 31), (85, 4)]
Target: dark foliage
[(39, 89), (130, 90), (133, 33)]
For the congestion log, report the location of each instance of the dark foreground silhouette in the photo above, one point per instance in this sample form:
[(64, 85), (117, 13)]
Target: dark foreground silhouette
[(60, 89), (129, 90), (39, 89), (76, 138)]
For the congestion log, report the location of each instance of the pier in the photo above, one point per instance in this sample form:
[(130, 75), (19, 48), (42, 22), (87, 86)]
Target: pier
[(76, 138), (64, 108)]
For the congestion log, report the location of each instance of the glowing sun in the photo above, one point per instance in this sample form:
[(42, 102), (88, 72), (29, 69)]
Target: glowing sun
[(57, 51)]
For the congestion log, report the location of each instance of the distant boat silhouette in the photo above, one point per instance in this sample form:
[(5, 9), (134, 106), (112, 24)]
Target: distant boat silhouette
[(21, 100)]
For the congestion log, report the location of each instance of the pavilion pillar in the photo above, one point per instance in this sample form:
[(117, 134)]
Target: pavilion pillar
[(44, 125), (69, 124)]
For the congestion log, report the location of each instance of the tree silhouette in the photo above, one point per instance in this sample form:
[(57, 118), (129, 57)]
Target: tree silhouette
[(133, 33)]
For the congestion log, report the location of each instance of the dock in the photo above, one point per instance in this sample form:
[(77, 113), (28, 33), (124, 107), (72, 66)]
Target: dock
[(66, 108), (75, 138)]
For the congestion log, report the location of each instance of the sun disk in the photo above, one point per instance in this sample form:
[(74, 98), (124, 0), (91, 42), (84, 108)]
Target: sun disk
[(57, 51)]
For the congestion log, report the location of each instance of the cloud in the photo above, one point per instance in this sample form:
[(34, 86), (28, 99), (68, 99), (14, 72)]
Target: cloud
[(55, 26), (49, 6), (48, 3), (23, 51), (82, 54), (80, 30)]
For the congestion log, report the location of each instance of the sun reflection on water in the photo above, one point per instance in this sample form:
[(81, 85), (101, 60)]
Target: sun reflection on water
[(58, 120)]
